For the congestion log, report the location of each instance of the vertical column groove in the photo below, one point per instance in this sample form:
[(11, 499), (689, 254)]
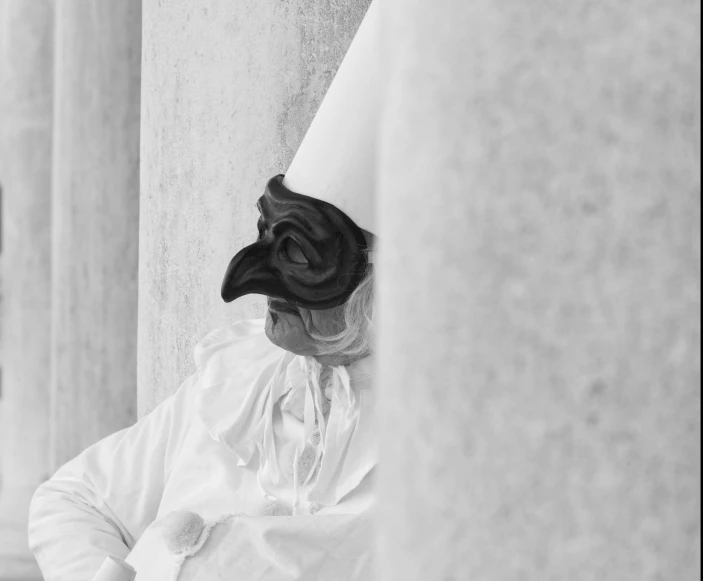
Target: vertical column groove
[(26, 97), (96, 221)]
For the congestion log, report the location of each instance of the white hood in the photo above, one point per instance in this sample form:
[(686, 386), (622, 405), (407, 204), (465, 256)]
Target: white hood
[(336, 162)]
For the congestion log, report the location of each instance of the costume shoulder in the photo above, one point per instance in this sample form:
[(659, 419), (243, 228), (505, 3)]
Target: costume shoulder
[(237, 350), (246, 339), (235, 363)]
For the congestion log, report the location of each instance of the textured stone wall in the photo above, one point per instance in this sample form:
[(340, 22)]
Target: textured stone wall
[(96, 221), (26, 64), (540, 291), (229, 89)]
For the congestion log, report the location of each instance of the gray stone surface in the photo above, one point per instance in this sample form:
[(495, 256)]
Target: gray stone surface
[(26, 54), (229, 90), (96, 217), (540, 291)]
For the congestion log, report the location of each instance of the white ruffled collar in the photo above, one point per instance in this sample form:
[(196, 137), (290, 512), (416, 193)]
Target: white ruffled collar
[(243, 377)]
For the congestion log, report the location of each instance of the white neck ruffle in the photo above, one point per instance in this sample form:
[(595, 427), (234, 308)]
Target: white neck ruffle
[(246, 380)]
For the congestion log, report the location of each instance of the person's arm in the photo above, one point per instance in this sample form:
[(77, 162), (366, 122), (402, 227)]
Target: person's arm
[(101, 502)]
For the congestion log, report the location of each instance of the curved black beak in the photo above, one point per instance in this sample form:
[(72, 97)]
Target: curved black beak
[(249, 272)]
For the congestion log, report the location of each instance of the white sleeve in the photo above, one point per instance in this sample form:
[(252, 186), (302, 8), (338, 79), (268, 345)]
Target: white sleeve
[(101, 502)]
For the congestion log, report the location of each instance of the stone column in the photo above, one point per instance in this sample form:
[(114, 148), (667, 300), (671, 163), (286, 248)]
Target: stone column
[(230, 89), (26, 63), (96, 216), (540, 291)]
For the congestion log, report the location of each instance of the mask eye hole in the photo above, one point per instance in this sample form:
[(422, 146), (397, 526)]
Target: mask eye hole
[(293, 252)]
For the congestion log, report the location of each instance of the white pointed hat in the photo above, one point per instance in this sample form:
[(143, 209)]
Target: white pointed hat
[(336, 161)]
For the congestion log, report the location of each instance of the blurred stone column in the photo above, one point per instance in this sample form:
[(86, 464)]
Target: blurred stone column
[(26, 63), (230, 89), (96, 221), (540, 291)]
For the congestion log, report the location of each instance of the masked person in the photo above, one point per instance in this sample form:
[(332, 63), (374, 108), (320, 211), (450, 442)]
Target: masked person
[(260, 467)]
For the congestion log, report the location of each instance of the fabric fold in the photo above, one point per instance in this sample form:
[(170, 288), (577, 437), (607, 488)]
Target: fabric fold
[(247, 381)]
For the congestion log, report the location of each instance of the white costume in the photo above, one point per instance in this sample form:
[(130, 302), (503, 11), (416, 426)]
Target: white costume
[(260, 467), (253, 470)]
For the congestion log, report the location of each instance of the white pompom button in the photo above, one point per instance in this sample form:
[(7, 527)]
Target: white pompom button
[(182, 530)]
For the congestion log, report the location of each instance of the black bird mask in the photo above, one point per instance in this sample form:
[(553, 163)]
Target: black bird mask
[(309, 253)]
